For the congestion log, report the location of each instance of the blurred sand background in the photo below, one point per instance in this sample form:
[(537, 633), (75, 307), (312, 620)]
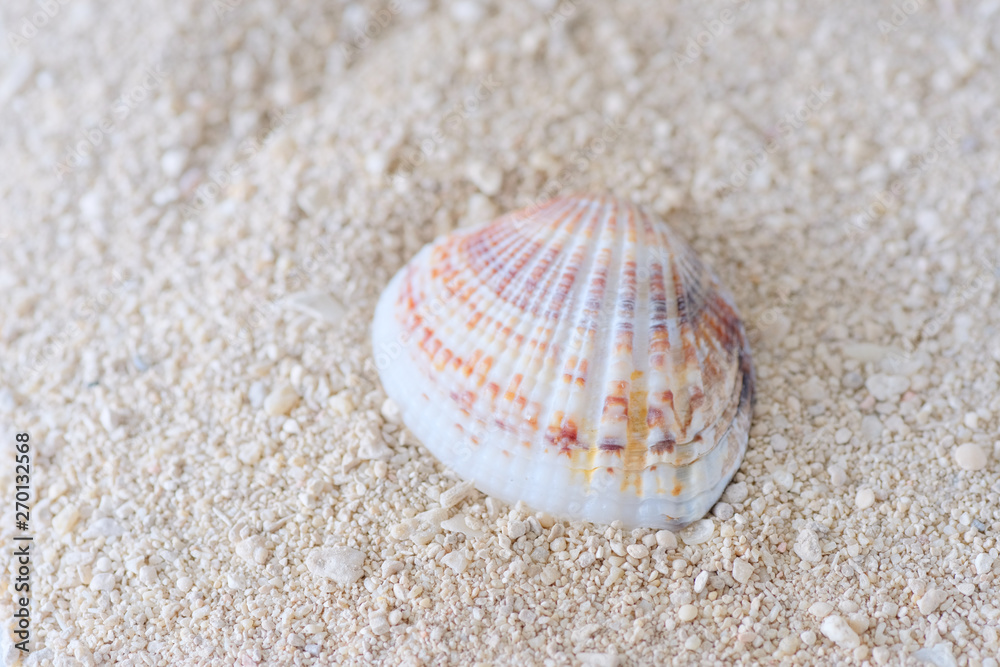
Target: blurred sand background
[(201, 202)]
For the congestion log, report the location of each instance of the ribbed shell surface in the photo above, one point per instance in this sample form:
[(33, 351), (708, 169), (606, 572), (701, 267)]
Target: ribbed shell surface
[(577, 356)]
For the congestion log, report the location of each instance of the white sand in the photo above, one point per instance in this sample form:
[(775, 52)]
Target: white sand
[(178, 522)]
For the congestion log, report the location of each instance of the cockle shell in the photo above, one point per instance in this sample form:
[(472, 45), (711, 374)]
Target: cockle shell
[(577, 356)]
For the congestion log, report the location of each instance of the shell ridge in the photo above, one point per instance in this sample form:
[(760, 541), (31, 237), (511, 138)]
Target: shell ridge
[(552, 358), (608, 397), (523, 355), (564, 429)]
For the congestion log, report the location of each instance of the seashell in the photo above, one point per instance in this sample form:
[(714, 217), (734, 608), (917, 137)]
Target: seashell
[(577, 356)]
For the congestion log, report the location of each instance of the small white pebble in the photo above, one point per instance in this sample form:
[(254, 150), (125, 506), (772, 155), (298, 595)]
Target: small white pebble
[(341, 404), (66, 519), (808, 637), (455, 494), (723, 511), (783, 479), (736, 493), (637, 551), (971, 420), (807, 546), (864, 499), (693, 643), (378, 623), (931, 600), (281, 400), (147, 575), (970, 456), (102, 582), (700, 582), (742, 570), (871, 427), (456, 560), (391, 567), (836, 629), (516, 529), (984, 564), (666, 539), (778, 442), (838, 476), (842, 436), (687, 612), (966, 589), (788, 645), (881, 655), (820, 610), (342, 564)]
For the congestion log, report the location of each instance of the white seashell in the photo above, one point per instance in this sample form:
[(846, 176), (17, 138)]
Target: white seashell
[(577, 356)]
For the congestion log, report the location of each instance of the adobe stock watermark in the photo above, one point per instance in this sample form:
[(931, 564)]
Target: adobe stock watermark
[(265, 309), (85, 310), (563, 12), (121, 109), (219, 179), (791, 122), (415, 156), (32, 22), (712, 30), (989, 270), (369, 31), (944, 139), (901, 13)]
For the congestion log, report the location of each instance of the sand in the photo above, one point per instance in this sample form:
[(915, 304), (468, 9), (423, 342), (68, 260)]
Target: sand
[(202, 202)]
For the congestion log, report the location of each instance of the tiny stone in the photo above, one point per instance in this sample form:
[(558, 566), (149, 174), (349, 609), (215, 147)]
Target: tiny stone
[(391, 567), (457, 561), (700, 582), (966, 589), (970, 456), (778, 442), (984, 563), (341, 403), (881, 655), (807, 546), (687, 613), (184, 584), (736, 493), (102, 582), (516, 529), (839, 632), (858, 622), (666, 539), (147, 575), (66, 520), (488, 178), (693, 643), (808, 637), (931, 600), (820, 610), (842, 436), (106, 527), (342, 564), (742, 570), (698, 532), (455, 494), (723, 511), (637, 551), (281, 400), (838, 476), (783, 479), (864, 499), (939, 655), (871, 427), (378, 623), (788, 645), (971, 420), (886, 387), (853, 380)]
